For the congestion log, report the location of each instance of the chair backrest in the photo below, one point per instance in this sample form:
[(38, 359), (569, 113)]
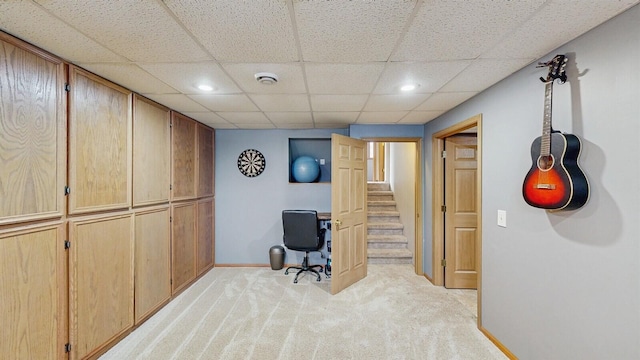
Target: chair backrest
[(301, 230)]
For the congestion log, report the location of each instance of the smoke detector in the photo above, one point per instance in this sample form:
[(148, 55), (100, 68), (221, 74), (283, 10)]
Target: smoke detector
[(266, 78)]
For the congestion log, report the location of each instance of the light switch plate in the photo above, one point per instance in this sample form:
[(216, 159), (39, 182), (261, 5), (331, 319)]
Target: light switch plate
[(321, 161), (502, 218)]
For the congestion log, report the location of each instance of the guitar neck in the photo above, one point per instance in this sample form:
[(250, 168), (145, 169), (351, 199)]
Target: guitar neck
[(545, 144)]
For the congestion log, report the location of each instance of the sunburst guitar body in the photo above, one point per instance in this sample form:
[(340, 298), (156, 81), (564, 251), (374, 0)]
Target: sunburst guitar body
[(555, 180)]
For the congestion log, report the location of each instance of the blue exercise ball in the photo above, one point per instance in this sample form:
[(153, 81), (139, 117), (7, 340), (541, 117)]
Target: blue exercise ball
[(305, 169)]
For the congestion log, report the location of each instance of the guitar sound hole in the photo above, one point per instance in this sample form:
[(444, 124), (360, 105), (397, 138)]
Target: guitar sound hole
[(545, 162)]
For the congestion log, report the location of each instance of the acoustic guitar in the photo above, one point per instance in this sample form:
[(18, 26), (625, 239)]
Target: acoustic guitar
[(555, 180)]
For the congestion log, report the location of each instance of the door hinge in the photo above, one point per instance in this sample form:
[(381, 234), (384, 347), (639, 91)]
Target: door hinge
[(443, 262), (67, 87), (170, 218), (67, 348), (444, 154), (170, 187), (170, 124), (67, 190), (443, 208), (67, 244)]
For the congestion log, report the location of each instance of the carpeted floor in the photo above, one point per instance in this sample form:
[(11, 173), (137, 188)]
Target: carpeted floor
[(258, 313)]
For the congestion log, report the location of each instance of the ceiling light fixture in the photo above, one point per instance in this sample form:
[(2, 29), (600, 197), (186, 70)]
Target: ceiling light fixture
[(266, 78), (205, 87), (408, 87)]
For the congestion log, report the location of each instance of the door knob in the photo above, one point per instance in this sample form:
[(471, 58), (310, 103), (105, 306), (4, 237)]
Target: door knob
[(338, 223)]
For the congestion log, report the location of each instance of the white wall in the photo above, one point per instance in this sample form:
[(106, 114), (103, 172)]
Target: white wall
[(402, 174), (564, 285)]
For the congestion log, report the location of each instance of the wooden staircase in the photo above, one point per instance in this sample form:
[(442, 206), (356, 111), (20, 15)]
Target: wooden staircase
[(385, 233)]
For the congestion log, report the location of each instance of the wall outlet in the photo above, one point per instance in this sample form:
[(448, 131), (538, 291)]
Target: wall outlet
[(502, 218), (321, 161)]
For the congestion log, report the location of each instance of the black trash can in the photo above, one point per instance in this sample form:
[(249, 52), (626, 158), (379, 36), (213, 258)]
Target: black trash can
[(276, 257)]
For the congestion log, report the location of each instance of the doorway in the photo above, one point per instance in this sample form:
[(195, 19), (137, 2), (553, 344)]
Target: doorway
[(470, 125), (379, 149)]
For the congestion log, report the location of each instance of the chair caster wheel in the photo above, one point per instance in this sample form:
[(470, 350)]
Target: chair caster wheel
[(318, 279), (286, 272), (295, 281)]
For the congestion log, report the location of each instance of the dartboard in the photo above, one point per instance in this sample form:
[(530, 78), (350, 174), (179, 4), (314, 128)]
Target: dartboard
[(251, 163)]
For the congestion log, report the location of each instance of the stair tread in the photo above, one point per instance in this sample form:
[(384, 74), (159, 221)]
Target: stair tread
[(386, 238), (395, 253), (383, 213)]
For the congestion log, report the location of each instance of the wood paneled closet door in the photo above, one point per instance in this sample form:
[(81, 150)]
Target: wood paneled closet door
[(183, 147), (32, 133), (183, 245), (205, 235), (205, 161), (99, 144), (101, 281), (33, 293), (151, 152)]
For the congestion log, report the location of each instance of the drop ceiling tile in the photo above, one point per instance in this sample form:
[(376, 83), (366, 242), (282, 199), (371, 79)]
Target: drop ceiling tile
[(290, 78), (130, 76), (483, 73), (445, 100), (137, 30), (281, 102), (308, 125), (536, 38), (207, 118), (381, 117), (335, 117), (394, 102), (297, 117), (430, 76), (338, 102), (420, 117), (256, 126), (244, 117), (239, 102), (324, 78), (461, 29), (240, 31), (177, 102), (51, 34), (185, 77), (350, 31)]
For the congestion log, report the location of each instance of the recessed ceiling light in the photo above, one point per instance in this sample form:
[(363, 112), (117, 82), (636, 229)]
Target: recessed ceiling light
[(205, 87), (408, 87), (266, 78)]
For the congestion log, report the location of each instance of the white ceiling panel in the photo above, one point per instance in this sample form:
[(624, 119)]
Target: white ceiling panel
[(350, 31), (240, 31), (47, 32), (420, 117), (282, 102), (483, 73), (335, 117), (338, 102), (430, 76), (178, 102), (137, 30), (225, 102), (129, 76), (478, 26), (444, 101), (186, 77), (290, 78), (324, 78), (394, 102), (381, 117), (338, 62)]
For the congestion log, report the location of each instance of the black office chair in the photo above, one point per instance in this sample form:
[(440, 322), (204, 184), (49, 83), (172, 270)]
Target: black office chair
[(302, 232)]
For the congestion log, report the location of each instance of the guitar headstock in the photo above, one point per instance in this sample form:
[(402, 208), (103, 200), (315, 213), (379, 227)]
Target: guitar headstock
[(556, 69)]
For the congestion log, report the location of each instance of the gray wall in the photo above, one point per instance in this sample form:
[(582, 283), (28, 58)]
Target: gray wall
[(564, 285), (248, 217), (402, 175)]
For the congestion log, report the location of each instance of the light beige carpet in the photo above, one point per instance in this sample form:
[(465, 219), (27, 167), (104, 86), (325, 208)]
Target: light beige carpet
[(258, 313)]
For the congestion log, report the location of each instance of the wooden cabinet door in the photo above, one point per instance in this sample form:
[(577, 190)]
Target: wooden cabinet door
[(152, 261), (205, 161), (33, 293), (206, 228), (151, 152), (99, 144), (101, 281), (183, 147), (32, 133), (183, 245)]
